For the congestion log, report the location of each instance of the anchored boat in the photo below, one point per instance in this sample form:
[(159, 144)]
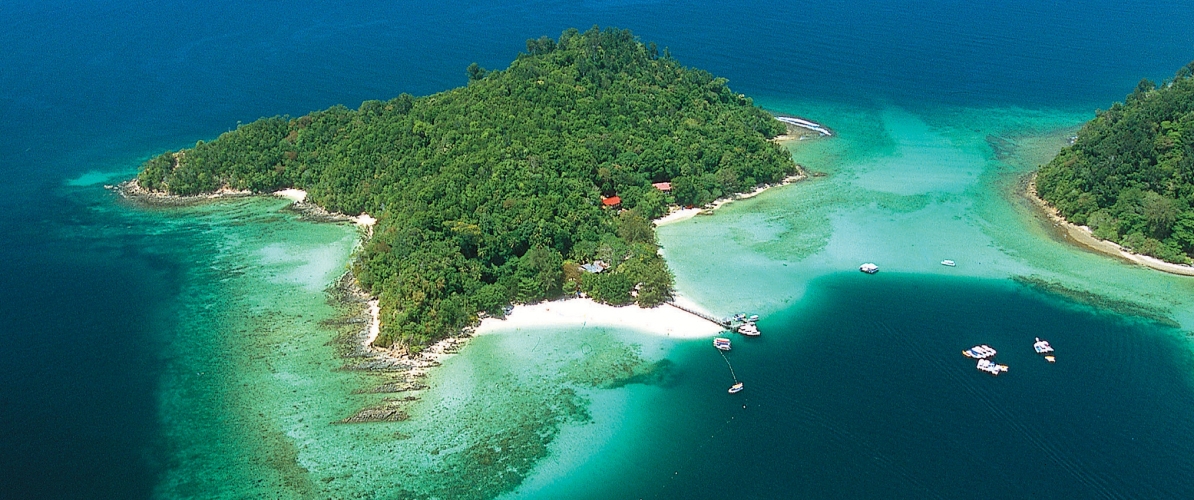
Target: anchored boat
[(991, 367), (722, 344), (1043, 347), (948, 262), (736, 388), (749, 329), (979, 352), (869, 268)]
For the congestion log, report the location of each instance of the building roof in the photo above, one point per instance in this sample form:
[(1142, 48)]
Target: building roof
[(611, 201), (663, 186), (592, 268)]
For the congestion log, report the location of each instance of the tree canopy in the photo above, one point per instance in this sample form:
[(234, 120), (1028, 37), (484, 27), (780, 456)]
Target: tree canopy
[(491, 193), (1129, 175)]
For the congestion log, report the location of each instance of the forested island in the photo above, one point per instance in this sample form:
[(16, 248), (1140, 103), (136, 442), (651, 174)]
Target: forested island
[(1129, 174), (496, 192)]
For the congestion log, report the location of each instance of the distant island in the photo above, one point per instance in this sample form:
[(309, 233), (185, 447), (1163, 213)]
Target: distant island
[(527, 184), (1129, 174)]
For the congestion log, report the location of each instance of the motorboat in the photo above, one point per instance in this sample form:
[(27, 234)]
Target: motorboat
[(721, 344), (749, 329), (979, 352), (991, 367)]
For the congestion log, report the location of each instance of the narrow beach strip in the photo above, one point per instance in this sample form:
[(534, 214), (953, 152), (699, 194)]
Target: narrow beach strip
[(660, 320), (1082, 235)]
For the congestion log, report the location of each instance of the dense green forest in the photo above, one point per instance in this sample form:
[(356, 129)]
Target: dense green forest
[(492, 193), (1129, 175)]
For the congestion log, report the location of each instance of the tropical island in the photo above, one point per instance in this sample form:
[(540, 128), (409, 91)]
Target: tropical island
[(526, 184), (1128, 176)]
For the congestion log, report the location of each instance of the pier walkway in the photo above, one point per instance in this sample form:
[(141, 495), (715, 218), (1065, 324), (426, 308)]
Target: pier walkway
[(720, 322)]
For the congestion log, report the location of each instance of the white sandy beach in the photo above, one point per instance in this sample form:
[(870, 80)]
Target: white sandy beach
[(663, 320), (297, 195), (1082, 235), (688, 213)]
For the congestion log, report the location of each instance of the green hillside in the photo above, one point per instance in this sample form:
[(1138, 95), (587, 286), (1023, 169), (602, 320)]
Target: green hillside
[(1130, 173), (491, 193)]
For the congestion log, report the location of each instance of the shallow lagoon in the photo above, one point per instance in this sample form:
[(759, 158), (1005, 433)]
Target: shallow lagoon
[(855, 377), (194, 361)]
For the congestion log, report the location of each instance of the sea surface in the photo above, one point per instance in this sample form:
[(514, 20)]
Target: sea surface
[(186, 352)]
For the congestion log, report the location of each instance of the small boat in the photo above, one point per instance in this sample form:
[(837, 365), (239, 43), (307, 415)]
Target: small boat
[(740, 317), (736, 388), (979, 352), (949, 263), (722, 344), (1042, 346), (1050, 359), (989, 366), (753, 318), (749, 329), (869, 268)]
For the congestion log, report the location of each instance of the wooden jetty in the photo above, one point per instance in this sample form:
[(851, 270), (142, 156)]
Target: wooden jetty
[(727, 323), (724, 323)]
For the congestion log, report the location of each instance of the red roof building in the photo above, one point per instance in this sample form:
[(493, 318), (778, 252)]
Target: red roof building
[(612, 201), (663, 186)]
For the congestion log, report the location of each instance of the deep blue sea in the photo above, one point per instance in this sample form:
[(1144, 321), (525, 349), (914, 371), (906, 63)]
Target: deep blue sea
[(98, 86)]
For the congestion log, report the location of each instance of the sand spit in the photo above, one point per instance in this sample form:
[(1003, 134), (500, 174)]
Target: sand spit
[(1083, 236)]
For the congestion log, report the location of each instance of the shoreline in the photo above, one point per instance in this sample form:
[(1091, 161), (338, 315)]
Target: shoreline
[(680, 214), (405, 372), (659, 320), (1082, 236)]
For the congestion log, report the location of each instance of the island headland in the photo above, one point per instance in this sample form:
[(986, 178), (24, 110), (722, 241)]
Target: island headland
[(1125, 184), (532, 183)]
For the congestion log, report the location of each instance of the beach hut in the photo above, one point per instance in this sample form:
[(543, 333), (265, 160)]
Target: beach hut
[(663, 186), (612, 201)]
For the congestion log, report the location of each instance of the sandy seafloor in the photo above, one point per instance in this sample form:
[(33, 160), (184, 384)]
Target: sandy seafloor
[(253, 385)]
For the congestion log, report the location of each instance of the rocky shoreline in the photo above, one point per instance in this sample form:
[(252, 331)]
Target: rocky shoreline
[(403, 371)]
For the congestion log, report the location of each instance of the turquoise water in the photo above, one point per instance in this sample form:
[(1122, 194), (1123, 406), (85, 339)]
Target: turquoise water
[(188, 352), (879, 402)]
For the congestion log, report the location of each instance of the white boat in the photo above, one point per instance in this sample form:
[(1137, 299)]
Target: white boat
[(869, 268), (749, 330), (736, 388), (949, 263), (989, 366), (1042, 346), (979, 352), (722, 344)]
